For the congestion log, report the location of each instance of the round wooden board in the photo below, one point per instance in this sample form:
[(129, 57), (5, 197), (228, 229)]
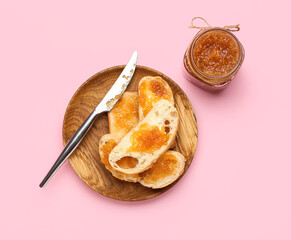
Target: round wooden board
[(85, 160)]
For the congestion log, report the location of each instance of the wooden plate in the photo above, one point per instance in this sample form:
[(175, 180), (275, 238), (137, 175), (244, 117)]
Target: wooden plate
[(85, 159)]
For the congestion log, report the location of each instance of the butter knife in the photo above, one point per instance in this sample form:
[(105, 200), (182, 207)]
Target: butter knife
[(106, 104)]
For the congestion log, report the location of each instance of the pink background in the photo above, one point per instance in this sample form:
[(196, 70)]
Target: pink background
[(238, 186)]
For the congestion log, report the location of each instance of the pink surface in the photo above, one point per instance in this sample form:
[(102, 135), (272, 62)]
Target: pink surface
[(238, 186)]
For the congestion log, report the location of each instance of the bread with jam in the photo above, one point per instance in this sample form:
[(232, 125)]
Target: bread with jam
[(163, 172), (106, 144), (150, 91), (147, 141), (124, 116), (167, 169)]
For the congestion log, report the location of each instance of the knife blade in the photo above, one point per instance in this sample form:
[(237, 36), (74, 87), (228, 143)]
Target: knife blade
[(106, 104)]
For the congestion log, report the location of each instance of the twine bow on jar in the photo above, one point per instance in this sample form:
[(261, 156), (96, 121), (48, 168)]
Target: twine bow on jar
[(233, 28)]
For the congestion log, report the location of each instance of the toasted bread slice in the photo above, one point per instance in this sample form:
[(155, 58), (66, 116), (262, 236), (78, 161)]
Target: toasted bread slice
[(124, 116), (146, 142), (150, 91), (106, 144), (164, 171)]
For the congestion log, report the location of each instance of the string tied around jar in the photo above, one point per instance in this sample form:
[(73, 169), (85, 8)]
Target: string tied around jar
[(233, 28)]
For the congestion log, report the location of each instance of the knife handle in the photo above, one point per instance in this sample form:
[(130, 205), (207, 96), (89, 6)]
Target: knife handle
[(71, 146)]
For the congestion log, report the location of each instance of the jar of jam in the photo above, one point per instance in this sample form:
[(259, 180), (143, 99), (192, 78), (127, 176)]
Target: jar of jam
[(213, 58)]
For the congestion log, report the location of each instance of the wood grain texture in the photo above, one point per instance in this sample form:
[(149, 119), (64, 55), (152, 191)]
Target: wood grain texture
[(85, 160)]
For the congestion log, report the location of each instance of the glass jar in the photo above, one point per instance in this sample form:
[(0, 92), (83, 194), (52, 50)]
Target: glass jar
[(198, 71)]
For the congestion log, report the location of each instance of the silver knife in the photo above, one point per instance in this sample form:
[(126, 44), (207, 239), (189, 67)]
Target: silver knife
[(107, 103)]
